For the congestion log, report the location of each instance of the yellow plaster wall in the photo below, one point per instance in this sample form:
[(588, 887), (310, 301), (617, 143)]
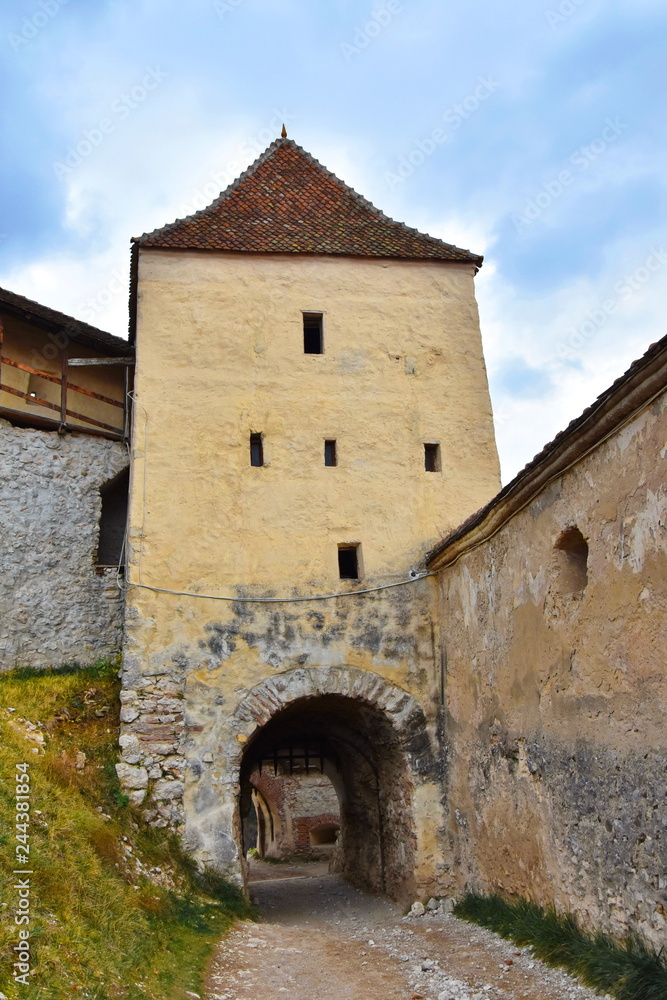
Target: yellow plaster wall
[(220, 356)]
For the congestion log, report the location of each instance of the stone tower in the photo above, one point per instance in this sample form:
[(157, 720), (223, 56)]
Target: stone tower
[(312, 415)]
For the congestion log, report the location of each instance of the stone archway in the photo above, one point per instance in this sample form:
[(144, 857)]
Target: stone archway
[(266, 823), (386, 773)]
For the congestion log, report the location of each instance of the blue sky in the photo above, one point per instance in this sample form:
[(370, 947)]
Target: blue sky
[(534, 136)]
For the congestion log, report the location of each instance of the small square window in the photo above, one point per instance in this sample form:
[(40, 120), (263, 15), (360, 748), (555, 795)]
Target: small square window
[(312, 333), (38, 388), (256, 450), (348, 562), (330, 454), (432, 457)]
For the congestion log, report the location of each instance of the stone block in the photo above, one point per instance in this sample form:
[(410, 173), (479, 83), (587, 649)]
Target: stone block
[(167, 789), (129, 742), (161, 749), (132, 777)]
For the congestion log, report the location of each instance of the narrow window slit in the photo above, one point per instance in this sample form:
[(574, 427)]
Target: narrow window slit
[(256, 450), (432, 457), (312, 333), (348, 562), (330, 454), (571, 551)]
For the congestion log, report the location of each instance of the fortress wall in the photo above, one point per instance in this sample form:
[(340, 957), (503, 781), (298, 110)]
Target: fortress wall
[(556, 693), (54, 606)]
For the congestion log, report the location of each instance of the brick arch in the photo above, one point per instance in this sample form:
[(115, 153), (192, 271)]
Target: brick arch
[(398, 706), (381, 734), (312, 824)]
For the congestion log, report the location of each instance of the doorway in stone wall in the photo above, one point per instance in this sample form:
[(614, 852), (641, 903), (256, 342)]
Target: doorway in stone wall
[(338, 762), (297, 809)]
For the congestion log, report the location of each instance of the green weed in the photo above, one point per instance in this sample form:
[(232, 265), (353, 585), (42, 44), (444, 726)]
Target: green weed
[(627, 969)]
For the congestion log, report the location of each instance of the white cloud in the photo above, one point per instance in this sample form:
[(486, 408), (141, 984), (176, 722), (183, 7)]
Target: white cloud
[(206, 122), (569, 337), (127, 186)]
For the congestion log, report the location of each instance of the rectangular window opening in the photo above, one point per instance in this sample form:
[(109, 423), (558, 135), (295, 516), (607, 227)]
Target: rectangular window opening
[(330, 453), (432, 457), (256, 450), (348, 562), (38, 388), (312, 333)]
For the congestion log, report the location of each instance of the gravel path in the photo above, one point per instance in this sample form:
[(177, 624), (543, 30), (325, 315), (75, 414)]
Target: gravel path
[(321, 939)]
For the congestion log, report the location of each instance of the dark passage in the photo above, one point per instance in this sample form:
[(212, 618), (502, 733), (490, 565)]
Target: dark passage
[(356, 748), (113, 519)]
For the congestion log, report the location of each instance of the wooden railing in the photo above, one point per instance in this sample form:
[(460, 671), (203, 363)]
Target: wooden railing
[(67, 387)]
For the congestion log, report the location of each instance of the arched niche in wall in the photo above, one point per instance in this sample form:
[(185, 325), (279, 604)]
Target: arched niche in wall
[(571, 557)]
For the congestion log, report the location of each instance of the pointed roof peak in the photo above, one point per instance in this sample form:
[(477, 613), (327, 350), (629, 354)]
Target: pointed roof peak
[(288, 202)]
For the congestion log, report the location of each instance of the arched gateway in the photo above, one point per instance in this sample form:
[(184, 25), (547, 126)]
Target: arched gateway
[(367, 735)]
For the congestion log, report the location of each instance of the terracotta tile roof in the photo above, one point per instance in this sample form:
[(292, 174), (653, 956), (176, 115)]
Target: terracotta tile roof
[(50, 319), (287, 202)]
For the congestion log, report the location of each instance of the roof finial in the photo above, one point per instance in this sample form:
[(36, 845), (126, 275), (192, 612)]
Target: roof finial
[(283, 134)]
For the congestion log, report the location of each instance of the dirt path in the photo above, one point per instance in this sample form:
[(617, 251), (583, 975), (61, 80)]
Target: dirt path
[(320, 939)]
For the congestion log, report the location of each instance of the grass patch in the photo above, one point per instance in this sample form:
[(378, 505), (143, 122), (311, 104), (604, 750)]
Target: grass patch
[(105, 925), (627, 969)]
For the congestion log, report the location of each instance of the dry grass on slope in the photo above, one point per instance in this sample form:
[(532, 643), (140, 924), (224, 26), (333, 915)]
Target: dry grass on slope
[(117, 912)]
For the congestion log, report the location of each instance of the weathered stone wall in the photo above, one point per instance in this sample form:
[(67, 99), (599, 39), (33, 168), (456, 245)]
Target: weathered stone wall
[(189, 708), (54, 607), (312, 796), (556, 697)]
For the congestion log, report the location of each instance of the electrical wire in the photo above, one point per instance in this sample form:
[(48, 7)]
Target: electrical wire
[(129, 585), (369, 590), (278, 600)]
